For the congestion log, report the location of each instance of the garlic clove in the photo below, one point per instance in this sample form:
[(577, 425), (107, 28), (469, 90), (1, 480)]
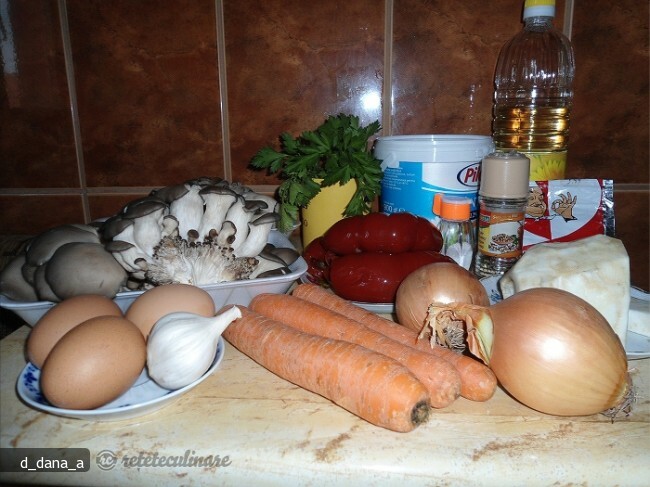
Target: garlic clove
[(181, 346)]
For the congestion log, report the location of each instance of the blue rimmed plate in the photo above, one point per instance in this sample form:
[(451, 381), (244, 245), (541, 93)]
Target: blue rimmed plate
[(144, 397)]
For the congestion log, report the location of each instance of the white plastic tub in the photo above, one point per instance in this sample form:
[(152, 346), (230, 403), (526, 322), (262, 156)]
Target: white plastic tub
[(417, 167), (225, 293)]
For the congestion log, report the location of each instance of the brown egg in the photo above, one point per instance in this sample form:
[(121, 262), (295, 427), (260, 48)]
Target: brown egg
[(61, 318), (159, 301), (94, 363)]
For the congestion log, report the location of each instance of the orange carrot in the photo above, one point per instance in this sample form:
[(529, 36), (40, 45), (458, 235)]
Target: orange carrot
[(368, 384), (478, 382), (439, 377)]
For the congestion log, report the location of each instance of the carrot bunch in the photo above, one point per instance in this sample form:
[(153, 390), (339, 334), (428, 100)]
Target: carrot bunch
[(366, 364), (477, 381)]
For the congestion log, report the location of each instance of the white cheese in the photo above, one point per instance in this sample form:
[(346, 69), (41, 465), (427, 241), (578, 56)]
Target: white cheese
[(597, 269)]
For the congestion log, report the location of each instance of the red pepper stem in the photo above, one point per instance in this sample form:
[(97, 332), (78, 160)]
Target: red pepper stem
[(450, 322)]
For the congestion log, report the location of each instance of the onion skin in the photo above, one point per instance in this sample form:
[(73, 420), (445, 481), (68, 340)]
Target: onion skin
[(550, 350), (440, 283)]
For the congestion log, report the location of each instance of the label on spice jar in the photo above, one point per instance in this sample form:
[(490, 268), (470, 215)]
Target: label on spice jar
[(500, 233)]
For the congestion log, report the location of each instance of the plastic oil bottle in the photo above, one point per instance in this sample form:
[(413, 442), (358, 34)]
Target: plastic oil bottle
[(534, 93)]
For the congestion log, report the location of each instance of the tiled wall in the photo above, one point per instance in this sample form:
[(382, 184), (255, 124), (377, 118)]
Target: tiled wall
[(104, 100)]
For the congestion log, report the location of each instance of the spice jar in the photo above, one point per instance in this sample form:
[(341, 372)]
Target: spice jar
[(503, 194)]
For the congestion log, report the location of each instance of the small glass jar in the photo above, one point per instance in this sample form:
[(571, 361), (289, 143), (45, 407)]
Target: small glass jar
[(503, 195), (457, 231)]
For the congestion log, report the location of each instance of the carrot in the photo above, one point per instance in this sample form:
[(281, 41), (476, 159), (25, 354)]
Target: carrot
[(370, 385), (478, 382), (439, 377)]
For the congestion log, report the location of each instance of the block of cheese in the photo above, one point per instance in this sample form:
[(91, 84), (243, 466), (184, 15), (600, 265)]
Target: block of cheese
[(596, 268), (639, 317)]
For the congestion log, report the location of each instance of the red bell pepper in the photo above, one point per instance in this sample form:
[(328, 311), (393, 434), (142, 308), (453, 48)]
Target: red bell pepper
[(374, 277), (381, 232), (365, 258), (318, 260)]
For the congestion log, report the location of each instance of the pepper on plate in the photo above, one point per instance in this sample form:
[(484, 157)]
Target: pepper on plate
[(366, 257)]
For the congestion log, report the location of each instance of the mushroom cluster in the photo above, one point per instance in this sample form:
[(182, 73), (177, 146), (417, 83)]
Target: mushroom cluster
[(202, 231), (199, 232), (62, 262)]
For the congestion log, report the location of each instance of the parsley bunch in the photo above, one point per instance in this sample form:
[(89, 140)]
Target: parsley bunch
[(335, 152)]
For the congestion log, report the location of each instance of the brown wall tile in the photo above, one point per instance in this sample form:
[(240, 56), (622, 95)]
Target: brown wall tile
[(148, 90), (609, 132), (106, 205), (32, 214), (631, 209), (36, 138)]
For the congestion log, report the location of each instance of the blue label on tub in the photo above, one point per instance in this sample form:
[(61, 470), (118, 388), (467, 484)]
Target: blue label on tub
[(412, 186)]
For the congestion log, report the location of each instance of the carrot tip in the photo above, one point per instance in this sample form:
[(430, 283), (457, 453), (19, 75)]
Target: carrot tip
[(420, 413)]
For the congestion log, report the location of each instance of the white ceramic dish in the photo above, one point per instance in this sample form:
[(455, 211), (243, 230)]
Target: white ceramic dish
[(143, 398), (637, 346), (225, 293)]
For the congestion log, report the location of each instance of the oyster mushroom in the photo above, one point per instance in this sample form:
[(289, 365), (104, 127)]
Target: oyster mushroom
[(170, 193), (169, 226), (268, 265), (226, 235), (43, 246), (177, 260), (147, 223), (188, 210), (84, 268), (280, 271), (118, 228), (271, 203), (258, 234), (288, 255), (218, 200), (131, 205), (43, 289), (127, 255), (12, 282), (240, 214), (204, 181)]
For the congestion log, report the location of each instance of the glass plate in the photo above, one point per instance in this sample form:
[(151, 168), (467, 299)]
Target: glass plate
[(145, 396)]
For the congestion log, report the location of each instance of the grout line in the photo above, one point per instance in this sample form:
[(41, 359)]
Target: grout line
[(568, 18), (223, 89), (74, 107), (387, 90), (262, 188)]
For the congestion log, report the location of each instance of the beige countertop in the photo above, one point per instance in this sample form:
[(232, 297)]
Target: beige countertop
[(275, 433)]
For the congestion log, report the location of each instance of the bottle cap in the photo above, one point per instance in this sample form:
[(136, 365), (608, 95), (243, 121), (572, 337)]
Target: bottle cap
[(539, 8), (453, 208), (505, 175)]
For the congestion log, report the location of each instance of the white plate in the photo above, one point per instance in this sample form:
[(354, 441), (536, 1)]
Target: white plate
[(144, 397), (379, 308), (636, 346)]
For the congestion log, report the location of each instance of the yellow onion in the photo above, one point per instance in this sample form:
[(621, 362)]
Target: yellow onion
[(441, 283), (549, 349)]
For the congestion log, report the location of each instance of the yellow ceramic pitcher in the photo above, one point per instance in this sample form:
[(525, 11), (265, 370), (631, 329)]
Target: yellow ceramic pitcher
[(325, 209)]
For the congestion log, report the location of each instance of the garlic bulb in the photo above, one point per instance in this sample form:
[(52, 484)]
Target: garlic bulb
[(182, 346)]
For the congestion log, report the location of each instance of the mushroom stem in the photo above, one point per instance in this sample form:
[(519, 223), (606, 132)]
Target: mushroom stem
[(218, 200), (188, 210), (258, 235)]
